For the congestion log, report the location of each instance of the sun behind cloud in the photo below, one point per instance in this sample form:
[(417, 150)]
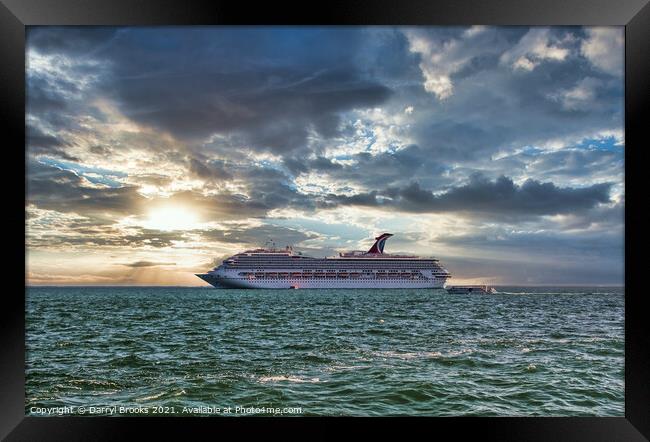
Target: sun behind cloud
[(168, 218)]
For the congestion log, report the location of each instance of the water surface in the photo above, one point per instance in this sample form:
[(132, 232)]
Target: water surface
[(523, 352)]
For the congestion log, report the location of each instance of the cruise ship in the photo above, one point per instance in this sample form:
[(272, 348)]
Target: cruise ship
[(270, 268)]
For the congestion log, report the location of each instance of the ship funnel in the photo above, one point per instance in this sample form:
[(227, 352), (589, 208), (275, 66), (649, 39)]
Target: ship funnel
[(378, 246)]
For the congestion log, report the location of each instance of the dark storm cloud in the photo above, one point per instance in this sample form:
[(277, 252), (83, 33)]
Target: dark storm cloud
[(545, 256), (98, 233), (40, 143), (179, 83), (609, 218), (261, 115), (500, 197), (503, 196), (599, 244), (392, 168), (277, 86), (71, 40), (528, 271), (49, 187), (273, 189), (298, 165), (476, 65), (524, 110), (256, 236), (209, 170), (577, 164), (44, 96), (395, 168)]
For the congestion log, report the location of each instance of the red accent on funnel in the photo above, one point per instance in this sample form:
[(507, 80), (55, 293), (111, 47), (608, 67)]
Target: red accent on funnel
[(378, 246)]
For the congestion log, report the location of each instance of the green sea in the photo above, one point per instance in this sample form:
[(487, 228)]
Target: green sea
[(203, 351)]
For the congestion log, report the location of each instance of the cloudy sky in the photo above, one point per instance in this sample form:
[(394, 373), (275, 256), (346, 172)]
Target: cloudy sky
[(154, 151)]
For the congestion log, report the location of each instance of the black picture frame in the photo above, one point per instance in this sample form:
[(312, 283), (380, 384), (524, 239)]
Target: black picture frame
[(15, 15)]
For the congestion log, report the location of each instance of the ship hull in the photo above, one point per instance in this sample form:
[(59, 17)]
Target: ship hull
[(361, 283)]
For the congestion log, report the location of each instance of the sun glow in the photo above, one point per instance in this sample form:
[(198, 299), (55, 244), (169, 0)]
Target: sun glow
[(172, 218)]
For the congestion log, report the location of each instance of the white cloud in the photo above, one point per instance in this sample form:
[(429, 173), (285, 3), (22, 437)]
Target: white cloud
[(579, 97), (475, 30), (442, 57), (376, 131), (60, 71), (524, 64), (533, 48), (603, 47)]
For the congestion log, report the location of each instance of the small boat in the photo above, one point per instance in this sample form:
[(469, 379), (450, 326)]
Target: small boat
[(471, 289)]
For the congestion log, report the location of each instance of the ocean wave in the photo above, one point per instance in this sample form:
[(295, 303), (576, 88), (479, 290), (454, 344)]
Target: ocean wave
[(94, 384), (294, 379), (396, 355), (161, 394), (531, 368), (128, 361), (317, 359), (335, 368), (421, 354)]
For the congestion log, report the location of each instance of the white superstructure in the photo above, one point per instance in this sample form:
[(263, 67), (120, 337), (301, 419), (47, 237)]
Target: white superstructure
[(284, 269)]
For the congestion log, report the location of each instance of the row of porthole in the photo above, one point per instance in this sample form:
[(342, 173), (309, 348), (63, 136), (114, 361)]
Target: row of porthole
[(327, 276)]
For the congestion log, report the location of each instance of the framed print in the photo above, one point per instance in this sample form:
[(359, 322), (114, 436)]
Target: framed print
[(387, 211)]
